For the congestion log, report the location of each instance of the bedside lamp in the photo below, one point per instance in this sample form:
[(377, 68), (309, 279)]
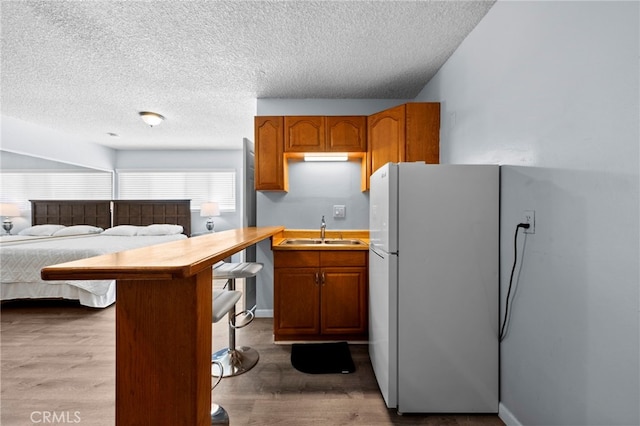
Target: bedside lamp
[(209, 210), (8, 210)]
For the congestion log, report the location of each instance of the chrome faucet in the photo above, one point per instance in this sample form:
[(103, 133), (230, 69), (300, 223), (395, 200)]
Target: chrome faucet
[(323, 227)]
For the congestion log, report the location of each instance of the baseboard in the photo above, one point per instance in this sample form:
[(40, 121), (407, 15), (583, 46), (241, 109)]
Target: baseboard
[(264, 313), (507, 416)]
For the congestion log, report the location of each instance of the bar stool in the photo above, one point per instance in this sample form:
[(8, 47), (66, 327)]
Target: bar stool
[(235, 360), (223, 302)]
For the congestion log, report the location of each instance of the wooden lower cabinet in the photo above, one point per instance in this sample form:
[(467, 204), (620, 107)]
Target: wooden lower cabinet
[(296, 301), (320, 295)]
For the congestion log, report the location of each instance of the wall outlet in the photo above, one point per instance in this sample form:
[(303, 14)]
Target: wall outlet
[(339, 212), (529, 216)]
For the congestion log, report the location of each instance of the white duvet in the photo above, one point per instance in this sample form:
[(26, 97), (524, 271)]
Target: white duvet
[(21, 261)]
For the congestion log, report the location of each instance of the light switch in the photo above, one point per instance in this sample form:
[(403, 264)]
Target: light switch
[(339, 212)]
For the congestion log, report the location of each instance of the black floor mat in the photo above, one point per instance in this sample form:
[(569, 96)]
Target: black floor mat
[(322, 358)]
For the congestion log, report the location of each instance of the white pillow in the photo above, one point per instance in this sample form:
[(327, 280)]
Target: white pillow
[(161, 229), (78, 230), (123, 230), (41, 230)]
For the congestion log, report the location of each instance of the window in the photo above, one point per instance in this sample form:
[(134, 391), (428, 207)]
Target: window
[(21, 186), (198, 186)]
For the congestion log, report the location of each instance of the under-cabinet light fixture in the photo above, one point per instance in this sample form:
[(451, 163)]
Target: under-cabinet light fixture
[(334, 156), (151, 118)]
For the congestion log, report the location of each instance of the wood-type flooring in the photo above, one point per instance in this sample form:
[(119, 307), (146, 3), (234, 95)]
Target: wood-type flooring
[(58, 366)]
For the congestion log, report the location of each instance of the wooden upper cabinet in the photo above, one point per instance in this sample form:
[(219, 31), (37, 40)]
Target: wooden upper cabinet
[(304, 134), (346, 133), (409, 132), (422, 138), (270, 170), (386, 132), (325, 134)]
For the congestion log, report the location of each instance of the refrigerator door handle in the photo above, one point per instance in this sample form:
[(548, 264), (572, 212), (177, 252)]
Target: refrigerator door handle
[(376, 253)]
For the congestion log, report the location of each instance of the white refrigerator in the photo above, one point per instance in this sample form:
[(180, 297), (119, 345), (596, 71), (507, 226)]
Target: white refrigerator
[(434, 287)]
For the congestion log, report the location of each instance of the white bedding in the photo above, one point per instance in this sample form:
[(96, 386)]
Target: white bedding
[(22, 260), (12, 240), (9, 239)]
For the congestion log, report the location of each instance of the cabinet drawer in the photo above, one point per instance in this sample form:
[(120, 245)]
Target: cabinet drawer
[(344, 258), (296, 258)]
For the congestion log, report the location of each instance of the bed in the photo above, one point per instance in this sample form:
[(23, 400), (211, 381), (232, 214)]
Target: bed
[(66, 230)]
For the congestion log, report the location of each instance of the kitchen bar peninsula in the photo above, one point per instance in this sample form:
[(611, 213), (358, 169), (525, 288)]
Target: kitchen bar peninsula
[(163, 323)]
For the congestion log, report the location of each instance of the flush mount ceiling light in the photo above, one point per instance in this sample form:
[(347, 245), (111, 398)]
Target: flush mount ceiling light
[(335, 156), (151, 118)]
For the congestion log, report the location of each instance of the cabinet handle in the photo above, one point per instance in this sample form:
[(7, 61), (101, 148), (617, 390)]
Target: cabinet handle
[(317, 278), (323, 280)]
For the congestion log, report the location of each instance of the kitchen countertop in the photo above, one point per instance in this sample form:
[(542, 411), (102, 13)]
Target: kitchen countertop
[(175, 259), (350, 234)]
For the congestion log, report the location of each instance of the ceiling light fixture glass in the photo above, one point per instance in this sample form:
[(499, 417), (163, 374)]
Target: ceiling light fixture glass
[(151, 118)]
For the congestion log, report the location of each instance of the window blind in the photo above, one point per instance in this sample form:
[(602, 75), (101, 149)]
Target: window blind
[(198, 186), (21, 186)]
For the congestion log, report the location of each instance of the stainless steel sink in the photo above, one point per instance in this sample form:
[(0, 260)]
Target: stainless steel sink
[(300, 242), (316, 241), (345, 242)]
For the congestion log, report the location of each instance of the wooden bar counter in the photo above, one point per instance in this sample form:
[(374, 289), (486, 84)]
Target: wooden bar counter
[(163, 323)]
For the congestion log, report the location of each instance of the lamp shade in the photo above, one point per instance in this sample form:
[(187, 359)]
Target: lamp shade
[(9, 210), (209, 209)]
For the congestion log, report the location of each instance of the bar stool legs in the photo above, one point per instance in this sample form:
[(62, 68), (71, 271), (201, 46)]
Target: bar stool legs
[(219, 415), (234, 360)]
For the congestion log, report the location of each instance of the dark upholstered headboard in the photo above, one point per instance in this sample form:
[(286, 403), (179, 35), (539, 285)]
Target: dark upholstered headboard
[(71, 212), (125, 212), (147, 212)]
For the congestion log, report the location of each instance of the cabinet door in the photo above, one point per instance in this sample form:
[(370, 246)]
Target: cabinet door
[(304, 134), (269, 164), (386, 133), (343, 300), (296, 301), (346, 134), (422, 141)]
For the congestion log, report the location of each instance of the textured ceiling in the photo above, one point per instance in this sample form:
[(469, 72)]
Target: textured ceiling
[(87, 67)]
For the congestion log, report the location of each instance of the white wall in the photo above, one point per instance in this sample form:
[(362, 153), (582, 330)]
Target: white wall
[(314, 188), (21, 137), (550, 91)]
